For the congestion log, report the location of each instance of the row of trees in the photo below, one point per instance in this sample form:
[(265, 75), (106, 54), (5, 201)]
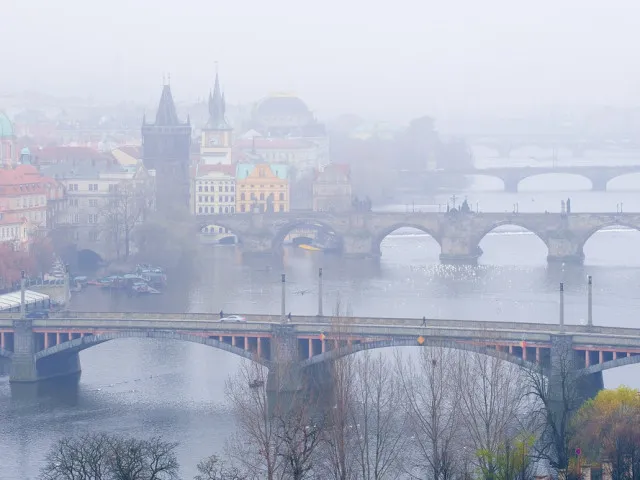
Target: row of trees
[(438, 413)]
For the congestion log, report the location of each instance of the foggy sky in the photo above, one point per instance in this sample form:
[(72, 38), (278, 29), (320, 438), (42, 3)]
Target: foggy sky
[(393, 59)]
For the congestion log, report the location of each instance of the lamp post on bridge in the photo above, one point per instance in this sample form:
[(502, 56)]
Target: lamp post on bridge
[(283, 306), (590, 301), (562, 306), (23, 306), (320, 313)]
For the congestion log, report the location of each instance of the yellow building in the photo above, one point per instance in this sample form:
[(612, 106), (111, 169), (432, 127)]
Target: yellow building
[(262, 187), (215, 147)]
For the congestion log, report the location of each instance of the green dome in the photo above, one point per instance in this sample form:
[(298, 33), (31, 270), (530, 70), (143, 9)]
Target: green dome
[(6, 127)]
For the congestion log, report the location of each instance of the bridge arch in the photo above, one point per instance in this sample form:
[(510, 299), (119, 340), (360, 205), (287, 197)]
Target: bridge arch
[(623, 176), (619, 362), (529, 176), (381, 235), (583, 241), (79, 344), (411, 342), (320, 225), (505, 223)]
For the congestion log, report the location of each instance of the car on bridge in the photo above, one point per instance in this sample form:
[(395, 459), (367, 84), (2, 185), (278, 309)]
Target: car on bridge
[(233, 318), (38, 314)]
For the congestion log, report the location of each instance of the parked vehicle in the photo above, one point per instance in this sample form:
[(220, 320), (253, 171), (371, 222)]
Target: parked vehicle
[(233, 318)]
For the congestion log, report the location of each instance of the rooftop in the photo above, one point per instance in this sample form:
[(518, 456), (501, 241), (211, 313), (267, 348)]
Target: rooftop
[(243, 170)]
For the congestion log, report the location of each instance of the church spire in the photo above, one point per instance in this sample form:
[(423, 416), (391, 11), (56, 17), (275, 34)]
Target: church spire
[(167, 115), (217, 107)]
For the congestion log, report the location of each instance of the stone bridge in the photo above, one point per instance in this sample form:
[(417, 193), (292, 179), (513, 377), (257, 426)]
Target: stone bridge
[(512, 176), (458, 234)]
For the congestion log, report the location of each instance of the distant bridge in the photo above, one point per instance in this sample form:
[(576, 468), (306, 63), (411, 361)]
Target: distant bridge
[(458, 234), (599, 176)]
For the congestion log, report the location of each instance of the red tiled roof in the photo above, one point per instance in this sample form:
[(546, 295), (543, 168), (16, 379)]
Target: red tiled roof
[(23, 180), (64, 154), (263, 143), (227, 169)]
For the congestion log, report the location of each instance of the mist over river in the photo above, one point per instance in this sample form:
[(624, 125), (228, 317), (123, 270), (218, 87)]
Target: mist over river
[(173, 389)]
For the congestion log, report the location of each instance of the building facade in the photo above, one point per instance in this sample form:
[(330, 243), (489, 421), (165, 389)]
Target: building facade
[(166, 145), (102, 207), (214, 190), (262, 187), (23, 197), (215, 146), (332, 189)]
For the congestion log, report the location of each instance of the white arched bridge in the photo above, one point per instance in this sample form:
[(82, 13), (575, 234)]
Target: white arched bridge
[(45, 348)]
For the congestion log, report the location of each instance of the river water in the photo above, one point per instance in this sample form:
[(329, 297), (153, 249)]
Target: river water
[(145, 387)]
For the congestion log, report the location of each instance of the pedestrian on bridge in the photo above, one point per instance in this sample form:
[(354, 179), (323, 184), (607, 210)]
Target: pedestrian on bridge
[(289, 316), (424, 321), (221, 314)]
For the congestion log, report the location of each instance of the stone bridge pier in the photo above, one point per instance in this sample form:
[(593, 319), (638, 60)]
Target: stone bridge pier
[(25, 368), (289, 384)]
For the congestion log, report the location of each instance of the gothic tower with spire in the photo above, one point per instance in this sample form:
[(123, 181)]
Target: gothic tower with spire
[(216, 134), (166, 146)]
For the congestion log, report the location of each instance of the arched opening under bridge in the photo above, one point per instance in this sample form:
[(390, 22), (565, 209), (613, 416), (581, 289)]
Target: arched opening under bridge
[(307, 235), (629, 182), (512, 244), (407, 244), (218, 235), (546, 182), (613, 245)]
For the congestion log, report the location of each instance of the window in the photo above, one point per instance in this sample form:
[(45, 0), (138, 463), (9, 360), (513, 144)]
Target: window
[(93, 235), (200, 198), (233, 209), (279, 208), (200, 188), (199, 209), (281, 196), (242, 197), (226, 209), (113, 187), (73, 187), (232, 188), (93, 202), (219, 188), (233, 199), (93, 218), (242, 208), (206, 189), (93, 187), (262, 196), (75, 218), (226, 189)]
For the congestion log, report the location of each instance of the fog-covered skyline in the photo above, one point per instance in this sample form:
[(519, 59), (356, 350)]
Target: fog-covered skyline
[(386, 60)]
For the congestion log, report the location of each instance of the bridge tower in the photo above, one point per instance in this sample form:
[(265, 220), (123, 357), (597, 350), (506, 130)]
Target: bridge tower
[(166, 146)]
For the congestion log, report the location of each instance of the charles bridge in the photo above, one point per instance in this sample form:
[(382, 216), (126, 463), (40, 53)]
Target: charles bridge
[(511, 177), (38, 349), (458, 234)]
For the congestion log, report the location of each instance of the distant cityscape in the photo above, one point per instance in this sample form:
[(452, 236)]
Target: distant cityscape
[(86, 175)]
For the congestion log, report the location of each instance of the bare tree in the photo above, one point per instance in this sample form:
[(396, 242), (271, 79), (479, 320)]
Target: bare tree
[(338, 442), (86, 457), (557, 398), (299, 434), (101, 456), (256, 445), (378, 423), (212, 468), (432, 407), (492, 396), (126, 207)]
